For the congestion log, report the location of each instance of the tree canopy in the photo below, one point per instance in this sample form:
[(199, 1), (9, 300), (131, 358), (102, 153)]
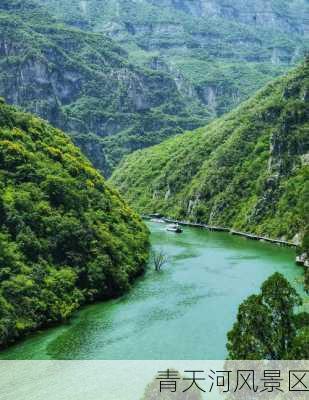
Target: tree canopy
[(267, 327), (66, 237)]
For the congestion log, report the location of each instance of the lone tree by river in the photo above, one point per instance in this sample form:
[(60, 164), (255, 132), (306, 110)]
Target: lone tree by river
[(159, 259)]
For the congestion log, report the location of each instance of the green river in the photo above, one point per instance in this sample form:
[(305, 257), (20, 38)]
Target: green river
[(182, 312)]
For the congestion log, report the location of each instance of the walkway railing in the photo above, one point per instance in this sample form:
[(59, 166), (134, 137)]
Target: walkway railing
[(224, 229)]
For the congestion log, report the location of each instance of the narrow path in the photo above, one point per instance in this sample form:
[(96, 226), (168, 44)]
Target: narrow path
[(224, 229)]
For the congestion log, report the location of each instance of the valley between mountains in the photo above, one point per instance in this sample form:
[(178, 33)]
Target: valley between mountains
[(195, 110)]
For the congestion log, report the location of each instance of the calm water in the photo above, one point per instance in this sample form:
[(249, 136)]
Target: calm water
[(183, 312)]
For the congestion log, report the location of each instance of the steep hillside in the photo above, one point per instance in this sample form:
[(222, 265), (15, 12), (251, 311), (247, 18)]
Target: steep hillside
[(65, 237), (248, 170), (84, 84), (218, 51)]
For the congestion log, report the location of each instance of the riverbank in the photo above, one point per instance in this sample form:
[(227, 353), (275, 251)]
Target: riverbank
[(190, 306), (213, 228)]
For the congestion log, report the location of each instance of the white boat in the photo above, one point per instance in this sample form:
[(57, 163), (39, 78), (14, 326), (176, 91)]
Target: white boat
[(174, 228)]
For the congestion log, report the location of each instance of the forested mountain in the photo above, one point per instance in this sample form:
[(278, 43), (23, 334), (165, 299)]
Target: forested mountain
[(66, 238), (84, 84), (219, 52), (247, 170), (184, 62)]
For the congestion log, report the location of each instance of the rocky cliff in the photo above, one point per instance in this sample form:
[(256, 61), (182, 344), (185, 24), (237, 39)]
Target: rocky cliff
[(247, 170), (221, 51), (185, 62), (84, 84)]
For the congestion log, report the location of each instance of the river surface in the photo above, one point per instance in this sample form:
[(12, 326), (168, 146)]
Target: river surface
[(182, 312)]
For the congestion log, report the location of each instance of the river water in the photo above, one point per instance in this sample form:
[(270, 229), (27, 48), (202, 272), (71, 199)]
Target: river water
[(182, 312)]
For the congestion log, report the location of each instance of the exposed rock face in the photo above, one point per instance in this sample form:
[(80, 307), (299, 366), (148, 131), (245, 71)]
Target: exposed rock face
[(248, 170), (36, 79), (223, 50), (84, 84), (258, 12), (189, 61)]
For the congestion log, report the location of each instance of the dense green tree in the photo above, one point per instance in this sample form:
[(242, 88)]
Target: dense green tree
[(250, 338), (66, 238), (266, 327), (300, 346), (280, 298)]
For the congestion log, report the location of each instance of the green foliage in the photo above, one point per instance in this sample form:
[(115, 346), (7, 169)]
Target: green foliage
[(66, 238), (247, 170), (84, 84), (219, 53), (300, 347), (183, 64), (266, 326)]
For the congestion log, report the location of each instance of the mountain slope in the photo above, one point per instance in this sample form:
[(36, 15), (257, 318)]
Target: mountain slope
[(219, 52), (247, 170), (65, 237), (84, 84)]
